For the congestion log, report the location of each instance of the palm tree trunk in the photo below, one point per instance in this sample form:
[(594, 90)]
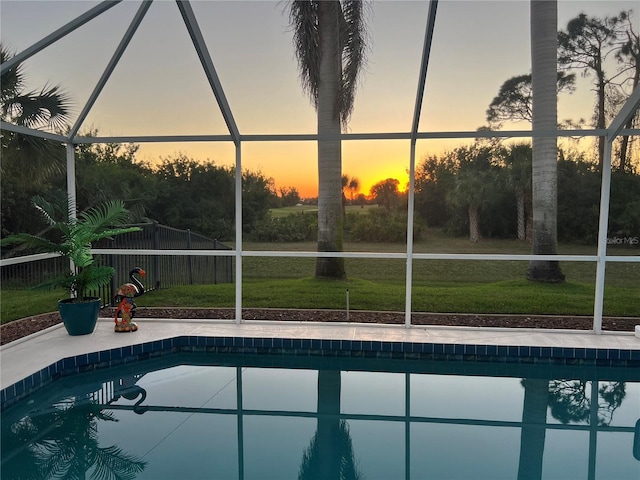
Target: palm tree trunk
[(329, 383), (329, 149), (522, 228), (533, 432), (544, 21), (474, 223)]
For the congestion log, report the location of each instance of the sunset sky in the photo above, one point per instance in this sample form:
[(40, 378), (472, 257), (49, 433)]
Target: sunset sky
[(159, 87)]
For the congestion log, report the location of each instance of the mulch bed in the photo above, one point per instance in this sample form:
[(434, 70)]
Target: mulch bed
[(17, 329)]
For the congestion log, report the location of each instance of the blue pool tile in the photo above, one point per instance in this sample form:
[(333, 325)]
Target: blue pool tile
[(492, 350), (115, 353), (545, 352), (438, 348), (635, 354), (503, 351), (590, 353), (458, 349), (356, 344), (19, 387), (82, 360), (481, 350), (624, 354), (614, 354), (557, 352), (602, 354)]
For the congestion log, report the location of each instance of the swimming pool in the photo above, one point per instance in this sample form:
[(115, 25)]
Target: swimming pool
[(244, 416)]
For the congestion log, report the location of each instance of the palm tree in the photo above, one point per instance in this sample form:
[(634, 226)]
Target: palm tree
[(518, 160), (64, 443), (330, 453), (544, 21), (475, 184), (330, 47), (49, 107)]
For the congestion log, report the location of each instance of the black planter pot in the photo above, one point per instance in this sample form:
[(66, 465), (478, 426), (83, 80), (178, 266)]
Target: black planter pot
[(79, 318)]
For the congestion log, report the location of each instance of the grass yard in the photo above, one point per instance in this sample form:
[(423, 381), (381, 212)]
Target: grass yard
[(379, 284)]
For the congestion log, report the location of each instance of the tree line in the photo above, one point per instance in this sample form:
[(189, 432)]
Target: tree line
[(476, 184)]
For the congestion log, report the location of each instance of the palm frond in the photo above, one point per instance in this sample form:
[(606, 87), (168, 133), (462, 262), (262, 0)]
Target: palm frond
[(353, 40), (112, 462), (303, 18), (38, 244), (100, 218)]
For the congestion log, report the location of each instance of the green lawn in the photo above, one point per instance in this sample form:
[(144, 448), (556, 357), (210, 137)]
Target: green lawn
[(378, 284), (284, 211)]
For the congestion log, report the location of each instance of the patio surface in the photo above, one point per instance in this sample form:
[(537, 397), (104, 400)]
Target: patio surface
[(26, 356)]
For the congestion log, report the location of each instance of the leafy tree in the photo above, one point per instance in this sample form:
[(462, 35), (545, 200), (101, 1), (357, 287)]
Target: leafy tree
[(48, 108), (201, 196), (107, 171), (570, 402), (195, 194), (585, 46), (513, 102), (329, 39), (256, 196), (386, 193), (29, 164), (289, 196), (434, 177), (476, 183), (544, 20), (578, 200), (628, 57)]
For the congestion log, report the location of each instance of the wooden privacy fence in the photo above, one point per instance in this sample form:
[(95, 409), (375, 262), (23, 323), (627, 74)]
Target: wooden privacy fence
[(162, 270)]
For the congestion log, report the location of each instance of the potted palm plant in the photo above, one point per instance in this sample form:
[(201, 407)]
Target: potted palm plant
[(72, 238)]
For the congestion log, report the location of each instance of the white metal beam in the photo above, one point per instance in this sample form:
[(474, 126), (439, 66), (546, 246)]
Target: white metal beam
[(426, 52), (626, 112), (135, 23), (191, 23), (10, 127), (58, 34)]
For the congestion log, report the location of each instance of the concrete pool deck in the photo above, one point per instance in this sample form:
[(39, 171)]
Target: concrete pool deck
[(29, 355)]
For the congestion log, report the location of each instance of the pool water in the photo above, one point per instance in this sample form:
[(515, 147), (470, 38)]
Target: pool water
[(196, 416)]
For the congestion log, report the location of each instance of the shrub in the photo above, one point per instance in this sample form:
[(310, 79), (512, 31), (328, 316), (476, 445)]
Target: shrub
[(379, 225), (297, 227)]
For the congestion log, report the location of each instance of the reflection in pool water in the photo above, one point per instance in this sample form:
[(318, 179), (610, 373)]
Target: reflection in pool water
[(192, 416)]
